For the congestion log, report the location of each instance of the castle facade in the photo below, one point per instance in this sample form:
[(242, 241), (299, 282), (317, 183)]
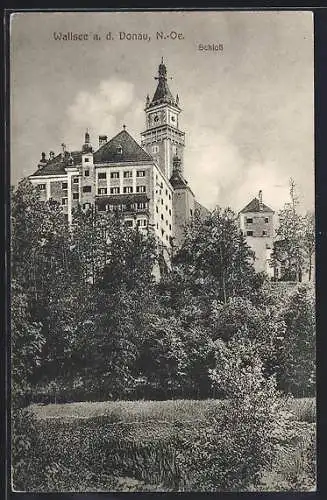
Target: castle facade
[(144, 183)]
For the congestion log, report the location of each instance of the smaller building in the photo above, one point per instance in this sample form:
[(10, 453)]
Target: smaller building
[(256, 221)]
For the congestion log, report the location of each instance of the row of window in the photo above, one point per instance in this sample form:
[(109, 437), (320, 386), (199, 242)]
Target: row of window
[(126, 190), (250, 233), (159, 192), (157, 209), (139, 223), (123, 207), (163, 233), (126, 174), (116, 190), (249, 220)]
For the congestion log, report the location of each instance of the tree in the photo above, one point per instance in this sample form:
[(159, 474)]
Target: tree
[(234, 449), (215, 259), (296, 373), (309, 241), (294, 247)]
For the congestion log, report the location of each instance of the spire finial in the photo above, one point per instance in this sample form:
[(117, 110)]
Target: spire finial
[(162, 61), (124, 127)]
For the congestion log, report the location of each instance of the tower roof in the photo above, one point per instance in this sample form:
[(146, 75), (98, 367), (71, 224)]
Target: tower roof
[(162, 94), (256, 206), (121, 148)]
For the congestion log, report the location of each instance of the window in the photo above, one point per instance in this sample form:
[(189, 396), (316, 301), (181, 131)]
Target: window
[(128, 174), (162, 232), (166, 192), (119, 149), (249, 220), (86, 173), (114, 190), (75, 180), (140, 173), (249, 233), (64, 185), (157, 210), (101, 208), (128, 223), (157, 225), (114, 175), (64, 201), (128, 189), (162, 217), (141, 222), (102, 175), (264, 233), (169, 197), (266, 220), (170, 226), (167, 237), (86, 160), (102, 191), (155, 149), (191, 212), (140, 189), (41, 187), (166, 223), (166, 207), (86, 189), (169, 212), (161, 201), (161, 185), (141, 205), (75, 196)]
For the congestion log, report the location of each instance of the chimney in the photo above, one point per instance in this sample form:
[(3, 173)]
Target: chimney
[(260, 200), (51, 155), (102, 140), (42, 161), (63, 154)]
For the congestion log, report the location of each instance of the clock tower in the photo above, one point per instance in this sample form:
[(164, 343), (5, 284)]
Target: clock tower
[(163, 139)]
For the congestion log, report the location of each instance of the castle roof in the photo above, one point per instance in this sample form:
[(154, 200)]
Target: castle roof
[(121, 148), (255, 206), (57, 164)]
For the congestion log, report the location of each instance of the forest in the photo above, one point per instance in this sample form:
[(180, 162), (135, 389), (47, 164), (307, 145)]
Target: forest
[(90, 323)]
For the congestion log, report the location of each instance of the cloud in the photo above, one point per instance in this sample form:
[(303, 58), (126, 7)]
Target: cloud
[(102, 111)]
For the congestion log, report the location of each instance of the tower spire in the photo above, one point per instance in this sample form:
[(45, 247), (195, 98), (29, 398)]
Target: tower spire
[(162, 93)]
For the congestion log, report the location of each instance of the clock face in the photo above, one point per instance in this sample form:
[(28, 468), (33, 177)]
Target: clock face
[(156, 118)]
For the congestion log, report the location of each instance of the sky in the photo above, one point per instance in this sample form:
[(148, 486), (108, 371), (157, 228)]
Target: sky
[(248, 110)]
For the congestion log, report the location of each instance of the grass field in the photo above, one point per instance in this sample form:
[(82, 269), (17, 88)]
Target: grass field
[(304, 409), (130, 445)]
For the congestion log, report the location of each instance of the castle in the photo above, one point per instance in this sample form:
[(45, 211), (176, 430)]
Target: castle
[(144, 184)]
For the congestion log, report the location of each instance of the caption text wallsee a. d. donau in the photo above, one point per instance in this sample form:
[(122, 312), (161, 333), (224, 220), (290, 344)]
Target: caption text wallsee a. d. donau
[(70, 36)]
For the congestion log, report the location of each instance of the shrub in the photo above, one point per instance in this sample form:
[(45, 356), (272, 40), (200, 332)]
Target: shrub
[(234, 450), (25, 459)]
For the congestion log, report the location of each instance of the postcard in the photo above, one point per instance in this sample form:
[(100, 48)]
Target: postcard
[(162, 251)]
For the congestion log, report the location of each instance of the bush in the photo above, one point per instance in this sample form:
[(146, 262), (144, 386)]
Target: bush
[(25, 459), (235, 449)]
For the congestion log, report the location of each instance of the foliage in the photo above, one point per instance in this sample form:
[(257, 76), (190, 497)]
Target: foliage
[(215, 257), (161, 442), (234, 450), (295, 245), (298, 351)]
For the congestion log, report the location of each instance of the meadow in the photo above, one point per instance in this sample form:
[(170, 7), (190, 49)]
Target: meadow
[(138, 445)]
